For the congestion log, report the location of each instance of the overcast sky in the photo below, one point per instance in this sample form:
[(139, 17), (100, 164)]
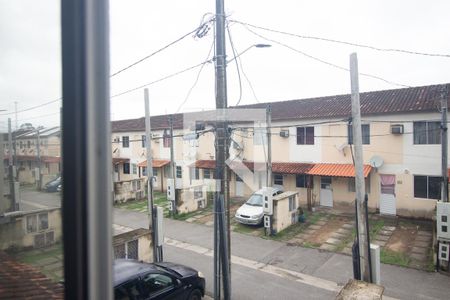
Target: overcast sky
[(31, 69)]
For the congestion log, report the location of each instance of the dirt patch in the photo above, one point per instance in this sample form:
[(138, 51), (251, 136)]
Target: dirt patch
[(323, 234), (205, 219), (402, 238)]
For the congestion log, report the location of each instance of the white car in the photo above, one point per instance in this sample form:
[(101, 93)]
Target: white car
[(251, 212)]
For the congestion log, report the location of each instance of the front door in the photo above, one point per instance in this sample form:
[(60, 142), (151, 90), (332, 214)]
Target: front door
[(326, 192), (387, 195), (239, 186)]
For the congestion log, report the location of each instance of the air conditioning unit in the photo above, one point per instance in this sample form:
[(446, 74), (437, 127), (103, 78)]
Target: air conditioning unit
[(284, 133), (397, 129)]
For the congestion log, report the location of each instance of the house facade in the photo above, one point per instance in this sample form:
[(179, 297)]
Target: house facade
[(35, 151), (311, 149)]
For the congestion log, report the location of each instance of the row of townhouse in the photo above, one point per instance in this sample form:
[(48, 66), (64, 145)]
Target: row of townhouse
[(311, 145), (33, 149)]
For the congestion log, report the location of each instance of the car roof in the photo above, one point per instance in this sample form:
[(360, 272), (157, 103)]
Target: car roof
[(126, 269), (274, 189)]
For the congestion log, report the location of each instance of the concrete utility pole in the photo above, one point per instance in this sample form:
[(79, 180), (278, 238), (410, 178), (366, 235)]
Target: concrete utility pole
[(359, 172), (11, 168), (38, 149), (269, 144), (444, 145), (220, 236), (173, 167), (15, 107), (148, 146)]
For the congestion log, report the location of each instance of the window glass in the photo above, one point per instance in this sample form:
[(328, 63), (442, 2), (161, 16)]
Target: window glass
[(125, 141), (427, 133), (144, 171), (126, 168), (155, 283), (166, 139), (305, 135), (434, 132), (206, 173), (143, 141), (31, 223), (278, 179), (365, 130), (134, 167), (300, 181), (434, 187), (129, 290), (43, 221)]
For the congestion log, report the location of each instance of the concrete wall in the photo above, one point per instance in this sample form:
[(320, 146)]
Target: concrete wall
[(127, 190), (282, 216), (13, 230), (187, 200)]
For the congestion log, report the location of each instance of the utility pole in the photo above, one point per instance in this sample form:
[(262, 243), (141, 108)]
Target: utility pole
[(12, 191), (444, 145), (220, 237), (269, 144), (359, 173), (38, 149), (148, 146), (173, 167), (15, 107)]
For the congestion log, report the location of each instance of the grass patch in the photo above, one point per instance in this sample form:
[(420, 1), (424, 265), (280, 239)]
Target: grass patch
[(34, 256), (289, 232), (246, 229), (310, 245), (159, 199), (185, 216), (394, 258), (312, 218)]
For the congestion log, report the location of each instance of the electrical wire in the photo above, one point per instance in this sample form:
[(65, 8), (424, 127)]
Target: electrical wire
[(196, 79), (200, 32), (237, 66), (160, 79), (344, 42), (33, 107), (324, 61)]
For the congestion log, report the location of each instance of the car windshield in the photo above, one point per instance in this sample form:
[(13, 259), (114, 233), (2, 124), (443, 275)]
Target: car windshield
[(255, 200)]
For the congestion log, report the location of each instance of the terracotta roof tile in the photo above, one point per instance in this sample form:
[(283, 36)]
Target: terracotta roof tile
[(22, 281), (337, 170), (277, 167), (156, 163)]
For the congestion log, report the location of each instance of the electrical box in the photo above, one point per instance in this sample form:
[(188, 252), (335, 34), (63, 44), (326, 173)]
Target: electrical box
[(397, 129), (266, 221), (170, 189), (267, 201), (443, 220), (444, 251), (284, 133), (159, 226), (375, 261), (171, 205)]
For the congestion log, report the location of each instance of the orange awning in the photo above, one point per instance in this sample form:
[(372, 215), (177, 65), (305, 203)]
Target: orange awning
[(156, 163), (337, 170), (120, 160), (277, 167)]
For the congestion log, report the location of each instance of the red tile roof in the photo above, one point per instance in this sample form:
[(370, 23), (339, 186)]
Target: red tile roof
[(337, 170), (404, 100), (120, 160), (156, 163), (277, 167), (22, 281)]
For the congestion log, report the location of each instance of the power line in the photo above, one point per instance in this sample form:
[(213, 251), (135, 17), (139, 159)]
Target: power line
[(161, 79), (344, 42), (237, 66), (196, 79), (324, 61), (33, 107), (200, 32)]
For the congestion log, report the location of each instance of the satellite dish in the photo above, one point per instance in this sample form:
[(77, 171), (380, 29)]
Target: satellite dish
[(376, 161)]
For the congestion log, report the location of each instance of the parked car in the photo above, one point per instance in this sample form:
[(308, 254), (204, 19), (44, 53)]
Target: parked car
[(251, 212), (59, 188), (52, 186), (164, 280)]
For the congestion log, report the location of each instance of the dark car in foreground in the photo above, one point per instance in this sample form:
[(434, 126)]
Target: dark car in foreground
[(137, 280), (52, 186)]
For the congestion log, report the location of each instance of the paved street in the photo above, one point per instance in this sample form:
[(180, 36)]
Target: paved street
[(402, 283), (266, 269)]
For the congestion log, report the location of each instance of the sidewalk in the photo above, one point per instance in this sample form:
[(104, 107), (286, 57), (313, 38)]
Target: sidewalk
[(399, 282)]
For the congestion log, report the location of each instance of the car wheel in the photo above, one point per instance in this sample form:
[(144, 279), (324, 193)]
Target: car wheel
[(195, 295)]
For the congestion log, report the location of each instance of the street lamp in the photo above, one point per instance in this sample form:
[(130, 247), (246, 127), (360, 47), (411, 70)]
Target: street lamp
[(255, 45)]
